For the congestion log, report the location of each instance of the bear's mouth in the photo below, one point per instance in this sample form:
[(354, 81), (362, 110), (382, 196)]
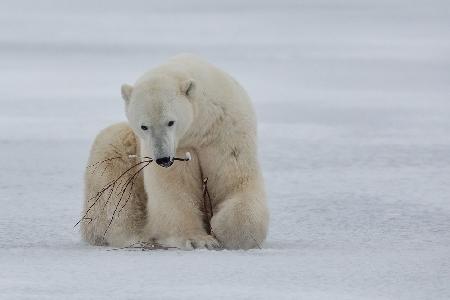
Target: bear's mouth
[(166, 165)]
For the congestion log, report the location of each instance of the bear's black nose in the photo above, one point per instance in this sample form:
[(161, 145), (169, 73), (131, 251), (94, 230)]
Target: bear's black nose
[(164, 162)]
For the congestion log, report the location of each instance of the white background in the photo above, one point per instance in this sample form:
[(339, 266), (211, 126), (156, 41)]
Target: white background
[(353, 101)]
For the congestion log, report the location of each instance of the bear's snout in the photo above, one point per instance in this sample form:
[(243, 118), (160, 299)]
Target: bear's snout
[(164, 162)]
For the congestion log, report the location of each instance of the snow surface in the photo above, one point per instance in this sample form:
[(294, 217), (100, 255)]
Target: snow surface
[(353, 99)]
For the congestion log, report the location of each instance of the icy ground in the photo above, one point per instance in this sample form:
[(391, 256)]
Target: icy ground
[(353, 99)]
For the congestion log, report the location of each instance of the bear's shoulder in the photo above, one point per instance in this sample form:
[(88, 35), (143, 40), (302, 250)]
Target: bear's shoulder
[(119, 136)]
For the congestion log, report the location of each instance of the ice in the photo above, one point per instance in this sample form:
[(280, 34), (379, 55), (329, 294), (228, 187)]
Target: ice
[(353, 101)]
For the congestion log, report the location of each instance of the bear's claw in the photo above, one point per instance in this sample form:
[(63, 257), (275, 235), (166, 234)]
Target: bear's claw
[(199, 242)]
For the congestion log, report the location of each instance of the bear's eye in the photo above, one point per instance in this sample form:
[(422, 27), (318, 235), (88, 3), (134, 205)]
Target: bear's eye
[(143, 127), (170, 123)]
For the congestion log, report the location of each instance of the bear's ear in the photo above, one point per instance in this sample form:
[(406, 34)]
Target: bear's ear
[(187, 87), (126, 92)]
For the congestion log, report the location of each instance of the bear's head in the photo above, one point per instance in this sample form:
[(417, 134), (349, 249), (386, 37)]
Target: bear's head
[(160, 112)]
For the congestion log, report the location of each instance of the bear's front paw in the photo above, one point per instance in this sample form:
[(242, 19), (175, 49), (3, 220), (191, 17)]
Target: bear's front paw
[(195, 242)]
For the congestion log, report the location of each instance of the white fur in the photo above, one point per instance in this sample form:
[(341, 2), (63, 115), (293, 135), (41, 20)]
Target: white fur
[(215, 123)]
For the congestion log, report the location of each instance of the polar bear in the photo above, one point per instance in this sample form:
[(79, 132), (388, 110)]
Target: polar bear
[(184, 105)]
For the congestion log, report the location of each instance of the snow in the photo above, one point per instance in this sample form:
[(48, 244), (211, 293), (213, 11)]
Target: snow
[(353, 103)]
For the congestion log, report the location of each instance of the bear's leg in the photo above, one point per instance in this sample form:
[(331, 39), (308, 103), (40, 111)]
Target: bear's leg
[(241, 221), (176, 221), (108, 161)]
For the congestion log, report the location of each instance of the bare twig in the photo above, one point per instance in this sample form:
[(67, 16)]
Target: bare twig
[(144, 246), (207, 206), (126, 184), (103, 161), (111, 185), (257, 244), (95, 166)]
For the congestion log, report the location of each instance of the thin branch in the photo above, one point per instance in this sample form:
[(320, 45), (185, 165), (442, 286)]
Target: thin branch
[(112, 183), (127, 183), (257, 244), (144, 246), (207, 206), (103, 161)]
